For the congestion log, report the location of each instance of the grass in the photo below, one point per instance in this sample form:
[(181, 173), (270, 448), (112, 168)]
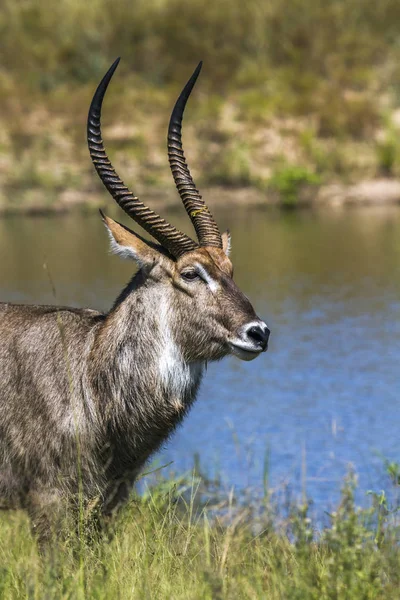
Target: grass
[(179, 541), (232, 167), (312, 83)]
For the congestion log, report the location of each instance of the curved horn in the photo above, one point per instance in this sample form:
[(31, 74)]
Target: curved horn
[(206, 228), (176, 242)]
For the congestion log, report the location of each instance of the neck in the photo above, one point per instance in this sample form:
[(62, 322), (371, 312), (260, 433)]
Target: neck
[(142, 383)]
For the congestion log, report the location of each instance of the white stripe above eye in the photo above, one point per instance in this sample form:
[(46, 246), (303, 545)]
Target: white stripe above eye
[(212, 284)]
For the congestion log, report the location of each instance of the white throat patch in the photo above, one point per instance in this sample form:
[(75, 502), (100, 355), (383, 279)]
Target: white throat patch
[(177, 376)]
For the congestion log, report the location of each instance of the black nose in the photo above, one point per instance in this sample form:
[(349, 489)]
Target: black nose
[(259, 334)]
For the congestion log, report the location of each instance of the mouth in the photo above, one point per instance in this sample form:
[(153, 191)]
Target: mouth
[(244, 351)]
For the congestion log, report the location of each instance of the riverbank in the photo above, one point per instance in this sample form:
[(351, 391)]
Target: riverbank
[(298, 105), (235, 160), (378, 192), (175, 542)]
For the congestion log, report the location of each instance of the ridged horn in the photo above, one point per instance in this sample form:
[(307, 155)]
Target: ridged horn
[(176, 242), (206, 228)]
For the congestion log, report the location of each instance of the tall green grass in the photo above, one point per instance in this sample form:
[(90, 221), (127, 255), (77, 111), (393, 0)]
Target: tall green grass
[(175, 542)]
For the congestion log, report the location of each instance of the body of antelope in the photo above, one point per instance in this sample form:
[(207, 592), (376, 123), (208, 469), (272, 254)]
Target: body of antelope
[(87, 397)]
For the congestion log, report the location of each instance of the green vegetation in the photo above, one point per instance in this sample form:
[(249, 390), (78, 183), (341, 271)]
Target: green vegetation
[(314, 83), (388, 149), (182, 540), (289, 182)]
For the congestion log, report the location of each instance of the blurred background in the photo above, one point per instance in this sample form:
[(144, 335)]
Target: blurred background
[(292, 92), (298, 103)]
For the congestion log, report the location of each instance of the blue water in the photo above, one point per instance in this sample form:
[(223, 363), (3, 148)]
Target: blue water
[(326, 397), (327, 393)]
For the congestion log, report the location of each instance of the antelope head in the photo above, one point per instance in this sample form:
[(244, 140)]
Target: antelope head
[(208, 315)]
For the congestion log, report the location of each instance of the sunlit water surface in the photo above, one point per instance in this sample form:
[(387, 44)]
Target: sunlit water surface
[(327, 393)]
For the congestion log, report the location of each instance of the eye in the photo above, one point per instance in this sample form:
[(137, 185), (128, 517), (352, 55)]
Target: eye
[(190, 275)]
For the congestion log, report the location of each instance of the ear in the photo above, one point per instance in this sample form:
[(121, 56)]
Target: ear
[(128, 244), (226, 242)]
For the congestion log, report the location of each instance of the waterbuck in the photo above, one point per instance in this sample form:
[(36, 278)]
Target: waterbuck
[(86, 397)]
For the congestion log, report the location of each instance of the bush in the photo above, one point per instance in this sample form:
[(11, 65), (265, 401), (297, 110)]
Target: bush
[(289, 181)]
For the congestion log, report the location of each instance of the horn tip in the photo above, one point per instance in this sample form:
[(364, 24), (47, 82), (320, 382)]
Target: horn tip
[(198, 69), (110, 72), (114, 66)]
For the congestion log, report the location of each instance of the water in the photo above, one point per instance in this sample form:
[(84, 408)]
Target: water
[(327, 393)]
